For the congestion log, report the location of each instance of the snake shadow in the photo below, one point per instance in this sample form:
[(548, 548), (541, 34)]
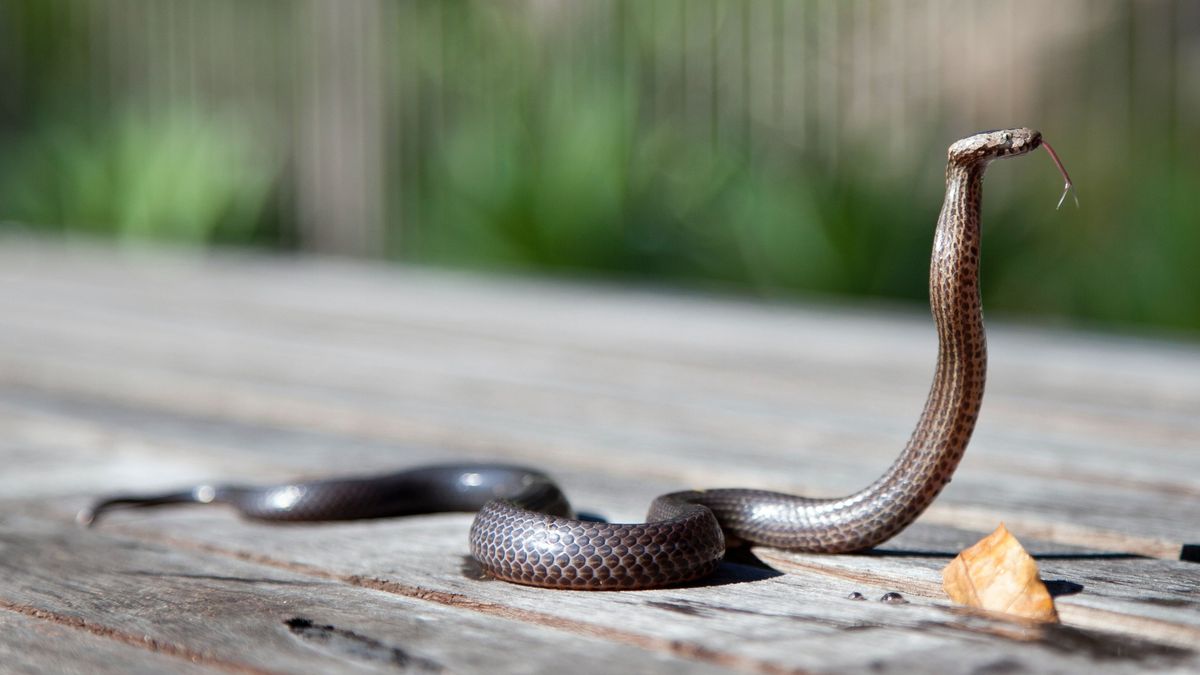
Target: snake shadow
[(739, 566)]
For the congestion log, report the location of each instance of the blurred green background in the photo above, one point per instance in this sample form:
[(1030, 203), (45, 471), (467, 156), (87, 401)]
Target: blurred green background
[(769, 147)]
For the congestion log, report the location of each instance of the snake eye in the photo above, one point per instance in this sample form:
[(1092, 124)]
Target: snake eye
[(1007, 137)]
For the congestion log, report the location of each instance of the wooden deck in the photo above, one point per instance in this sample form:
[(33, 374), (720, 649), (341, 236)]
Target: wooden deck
[(150, 371)]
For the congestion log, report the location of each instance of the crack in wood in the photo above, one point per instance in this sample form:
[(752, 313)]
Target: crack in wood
[(140, 641), (348, 644), (1108, 647), (220, 577)]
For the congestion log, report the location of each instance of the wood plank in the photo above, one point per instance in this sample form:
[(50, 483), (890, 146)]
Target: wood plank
[(671, 453), (295, 454), (819, 338), (35, 643), (798, 414), (129, 373), (1152, 599), (238, 616), (776, 624), (598, 490), (416, 557)]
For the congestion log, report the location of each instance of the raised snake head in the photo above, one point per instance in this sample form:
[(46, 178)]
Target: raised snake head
[(985, 146)]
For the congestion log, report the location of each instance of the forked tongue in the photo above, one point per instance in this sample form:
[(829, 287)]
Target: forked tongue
[(1068, 186)]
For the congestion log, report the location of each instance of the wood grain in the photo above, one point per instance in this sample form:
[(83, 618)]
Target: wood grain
[(145, 371)]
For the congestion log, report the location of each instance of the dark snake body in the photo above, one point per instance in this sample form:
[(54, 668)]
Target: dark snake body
[(524, 532)]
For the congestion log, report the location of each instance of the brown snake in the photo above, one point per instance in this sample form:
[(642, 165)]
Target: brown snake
[(523, 532)]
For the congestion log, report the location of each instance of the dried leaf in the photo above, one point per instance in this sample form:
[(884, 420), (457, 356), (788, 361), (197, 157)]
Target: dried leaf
[(997, 574)]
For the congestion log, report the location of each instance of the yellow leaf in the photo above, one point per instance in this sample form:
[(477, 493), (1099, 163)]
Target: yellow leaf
[(997, 574)]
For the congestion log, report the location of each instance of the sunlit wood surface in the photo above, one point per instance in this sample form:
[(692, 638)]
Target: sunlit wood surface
[(144, 371)]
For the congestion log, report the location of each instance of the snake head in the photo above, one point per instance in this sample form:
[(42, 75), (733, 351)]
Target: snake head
[(986, 146)]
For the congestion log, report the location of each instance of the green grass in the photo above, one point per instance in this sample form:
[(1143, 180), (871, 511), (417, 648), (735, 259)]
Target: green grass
[(179, 177)]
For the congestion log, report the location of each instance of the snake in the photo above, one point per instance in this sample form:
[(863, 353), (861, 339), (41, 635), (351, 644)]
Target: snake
[(525, 531)]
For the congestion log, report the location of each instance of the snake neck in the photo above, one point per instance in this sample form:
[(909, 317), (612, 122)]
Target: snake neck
[(876, 513), (952, 407), (925, 466)]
